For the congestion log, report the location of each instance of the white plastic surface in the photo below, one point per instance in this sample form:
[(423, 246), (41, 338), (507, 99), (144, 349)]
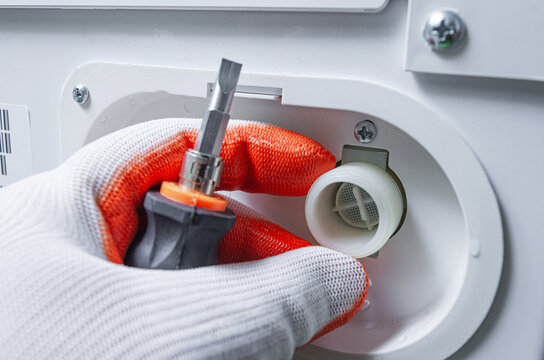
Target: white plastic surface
[(500, 120), (500, 39), (255, 5), (433, 258), (332, 231)]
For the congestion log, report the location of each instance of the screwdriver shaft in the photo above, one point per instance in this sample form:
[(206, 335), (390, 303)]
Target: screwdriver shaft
[(202, 166), (215, 120)]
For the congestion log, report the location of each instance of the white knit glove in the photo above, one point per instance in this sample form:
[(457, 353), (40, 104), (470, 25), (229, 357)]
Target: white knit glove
[(65, 295)]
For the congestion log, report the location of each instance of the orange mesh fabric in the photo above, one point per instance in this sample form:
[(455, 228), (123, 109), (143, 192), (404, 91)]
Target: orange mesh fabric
[(267, 159), (254, 239), (258, 158)]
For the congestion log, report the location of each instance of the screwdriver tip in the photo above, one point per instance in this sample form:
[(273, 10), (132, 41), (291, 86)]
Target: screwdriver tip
[(229, 73)]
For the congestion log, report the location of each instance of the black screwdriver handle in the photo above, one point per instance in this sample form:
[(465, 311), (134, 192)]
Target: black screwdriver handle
[(178, 236)]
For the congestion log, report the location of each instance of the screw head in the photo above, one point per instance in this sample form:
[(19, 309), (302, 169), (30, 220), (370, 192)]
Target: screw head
[(80, 94), (365, 131), (444, 30)]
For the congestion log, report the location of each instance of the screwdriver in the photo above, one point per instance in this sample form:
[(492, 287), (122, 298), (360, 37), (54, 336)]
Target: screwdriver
[(186, 219)]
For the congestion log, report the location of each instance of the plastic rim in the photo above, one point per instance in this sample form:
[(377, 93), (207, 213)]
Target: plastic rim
[(331, 231), (173, 191), (478, 277)]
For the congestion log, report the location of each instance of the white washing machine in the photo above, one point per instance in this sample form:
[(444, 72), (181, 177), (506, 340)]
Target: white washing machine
[(452, 92)]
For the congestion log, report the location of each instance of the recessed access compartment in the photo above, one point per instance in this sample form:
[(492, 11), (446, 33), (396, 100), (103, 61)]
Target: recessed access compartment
[(435, 278)]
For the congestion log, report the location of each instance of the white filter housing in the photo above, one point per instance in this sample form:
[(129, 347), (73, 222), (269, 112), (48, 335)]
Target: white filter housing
[(345, 189)]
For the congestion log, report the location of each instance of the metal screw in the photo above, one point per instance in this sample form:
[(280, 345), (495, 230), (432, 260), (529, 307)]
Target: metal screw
[(80, 94), (365, 131), (444, 30)]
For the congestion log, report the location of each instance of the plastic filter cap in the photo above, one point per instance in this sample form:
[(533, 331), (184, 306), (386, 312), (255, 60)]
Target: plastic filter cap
[(354, 209)]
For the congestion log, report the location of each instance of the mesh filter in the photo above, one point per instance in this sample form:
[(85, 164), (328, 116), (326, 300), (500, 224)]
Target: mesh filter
[(356, 207)]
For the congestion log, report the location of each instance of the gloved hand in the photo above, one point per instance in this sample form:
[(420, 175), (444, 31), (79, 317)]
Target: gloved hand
[(64, 294)]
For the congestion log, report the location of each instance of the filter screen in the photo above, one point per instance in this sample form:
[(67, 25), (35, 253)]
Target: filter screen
[(356, 207)]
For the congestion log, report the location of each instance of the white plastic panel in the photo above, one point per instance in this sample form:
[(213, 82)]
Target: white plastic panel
[(427, 287), (502, 39), (500, 120), (256, 5)]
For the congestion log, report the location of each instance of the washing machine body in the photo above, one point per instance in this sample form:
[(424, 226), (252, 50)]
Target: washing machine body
[(458, 127)]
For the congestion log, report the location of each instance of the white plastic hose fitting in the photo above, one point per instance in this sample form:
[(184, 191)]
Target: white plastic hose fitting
[(354, 209)]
